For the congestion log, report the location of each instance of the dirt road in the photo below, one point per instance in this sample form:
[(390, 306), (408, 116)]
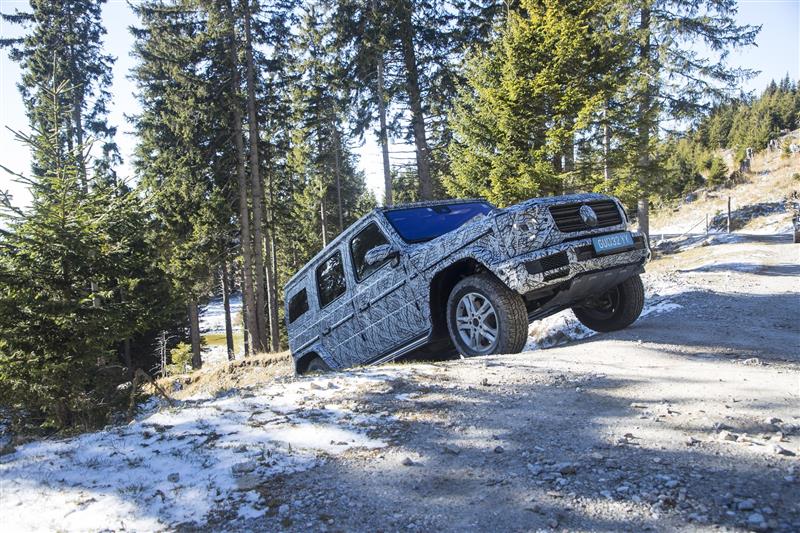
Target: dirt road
[(688, 420)]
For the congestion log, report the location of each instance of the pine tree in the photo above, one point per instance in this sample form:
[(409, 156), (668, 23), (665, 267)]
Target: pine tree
[(672, 80), (57, 356), (528, 95), (183, 159), (65, 41)]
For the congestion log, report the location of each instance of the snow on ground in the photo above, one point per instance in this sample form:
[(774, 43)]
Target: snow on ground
[(182, 465), (212, 316)]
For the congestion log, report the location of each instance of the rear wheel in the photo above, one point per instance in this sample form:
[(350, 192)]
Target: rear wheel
[(317, 365), (486, 317), (613, 310)]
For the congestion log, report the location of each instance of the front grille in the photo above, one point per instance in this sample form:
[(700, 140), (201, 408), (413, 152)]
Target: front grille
[(547, 263), (568, 218)]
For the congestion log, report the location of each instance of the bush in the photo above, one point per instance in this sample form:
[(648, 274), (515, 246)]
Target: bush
[(181, 357)]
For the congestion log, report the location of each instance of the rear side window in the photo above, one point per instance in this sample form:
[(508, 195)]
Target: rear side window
[(330, 279), (366, 240), (298, 304)]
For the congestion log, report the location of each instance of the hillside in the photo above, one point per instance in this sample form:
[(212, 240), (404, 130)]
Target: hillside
[(758, 204)]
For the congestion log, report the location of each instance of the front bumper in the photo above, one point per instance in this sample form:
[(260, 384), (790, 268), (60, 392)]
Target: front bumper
[(555, 264)]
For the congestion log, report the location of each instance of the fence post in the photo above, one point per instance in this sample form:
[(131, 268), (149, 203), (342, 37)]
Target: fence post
[(729, 214)]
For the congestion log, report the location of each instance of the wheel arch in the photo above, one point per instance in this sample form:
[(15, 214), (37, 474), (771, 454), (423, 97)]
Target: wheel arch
[(302, 362), (442, 284)]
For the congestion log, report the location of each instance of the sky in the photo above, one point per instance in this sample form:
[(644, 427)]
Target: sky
[(777, 52)]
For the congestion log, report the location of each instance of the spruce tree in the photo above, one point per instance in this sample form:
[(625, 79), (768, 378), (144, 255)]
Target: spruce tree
[(672, 80), (65, 41), (57, 344)]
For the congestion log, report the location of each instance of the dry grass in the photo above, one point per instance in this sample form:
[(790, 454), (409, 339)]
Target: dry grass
[(248, 372)]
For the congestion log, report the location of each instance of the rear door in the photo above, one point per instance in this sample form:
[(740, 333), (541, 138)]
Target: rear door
[(389, 313), (337, 323)]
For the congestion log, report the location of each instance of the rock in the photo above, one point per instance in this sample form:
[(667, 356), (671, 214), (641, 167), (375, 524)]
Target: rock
[(752, 361), (283, 510), (534, 469), (498, 449), (244, 468), (566, 468), (780, 450), (639, 406), (746, 505), (757, 519), (772, 421), (726, 435), (408, 462), (174, 477), (552, 523), (671, 484), (450, 450), (597, 456)]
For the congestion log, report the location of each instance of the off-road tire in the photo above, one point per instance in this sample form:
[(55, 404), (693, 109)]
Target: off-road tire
[(629, 305), (317, 365), (512, 317)]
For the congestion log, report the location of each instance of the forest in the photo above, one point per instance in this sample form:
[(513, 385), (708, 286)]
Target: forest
[(245, 165)]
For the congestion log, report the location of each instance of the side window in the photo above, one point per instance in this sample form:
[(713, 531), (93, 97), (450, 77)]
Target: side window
[(298, 304), (330, 279), (364, 241)]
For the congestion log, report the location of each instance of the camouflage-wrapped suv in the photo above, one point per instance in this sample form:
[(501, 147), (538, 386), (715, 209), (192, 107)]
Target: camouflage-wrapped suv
[(463, 274)]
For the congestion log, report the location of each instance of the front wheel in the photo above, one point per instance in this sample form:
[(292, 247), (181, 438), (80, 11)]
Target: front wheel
[(486, 317), (613, 310)]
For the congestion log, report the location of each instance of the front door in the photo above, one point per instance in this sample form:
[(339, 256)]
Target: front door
[(389, 314)]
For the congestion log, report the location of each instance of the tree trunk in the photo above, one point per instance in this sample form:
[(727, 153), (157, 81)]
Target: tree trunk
[(275, 338), (606, 151), (322, 218), (272, 269), (226, 304), (245, 334), (194, 333), (383, 134), (569, 154), (259, 285), (415, 101), (248, 296), (384, 137), (337, 170), (644, 126)]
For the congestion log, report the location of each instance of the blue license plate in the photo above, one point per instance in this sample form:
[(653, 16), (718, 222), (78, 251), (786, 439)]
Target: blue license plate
[(612, 243)]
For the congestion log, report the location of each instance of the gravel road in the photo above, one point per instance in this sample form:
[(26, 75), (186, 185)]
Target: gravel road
[(688, 420)]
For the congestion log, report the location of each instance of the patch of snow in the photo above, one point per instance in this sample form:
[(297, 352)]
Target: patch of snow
[(212, 316), (564, 327), (178, 465)]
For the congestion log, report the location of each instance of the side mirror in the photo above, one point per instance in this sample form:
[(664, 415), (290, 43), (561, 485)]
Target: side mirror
[(381, 253)]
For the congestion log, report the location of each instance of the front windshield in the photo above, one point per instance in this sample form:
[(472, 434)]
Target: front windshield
[(420, 224)]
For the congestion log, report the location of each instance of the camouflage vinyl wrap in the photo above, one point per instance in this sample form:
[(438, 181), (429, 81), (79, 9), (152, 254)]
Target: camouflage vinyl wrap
[(389, 312)]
